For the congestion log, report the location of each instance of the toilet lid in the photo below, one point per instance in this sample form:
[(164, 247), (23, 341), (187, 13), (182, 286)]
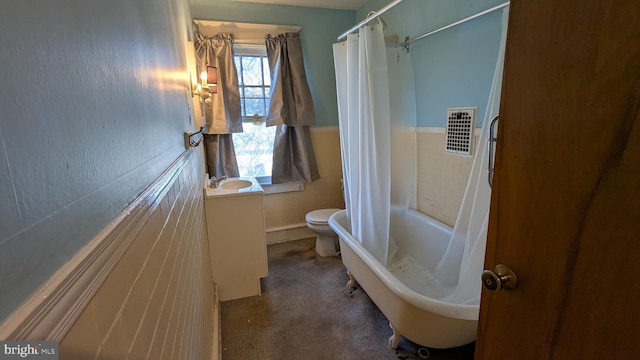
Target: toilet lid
[(320, 216)]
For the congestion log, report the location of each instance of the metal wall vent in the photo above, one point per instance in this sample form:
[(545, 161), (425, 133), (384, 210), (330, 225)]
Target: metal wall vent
[(461, 123)]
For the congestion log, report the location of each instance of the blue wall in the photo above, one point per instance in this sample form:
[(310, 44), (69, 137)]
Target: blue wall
[(95, 97), (452, 68), (320, 28)]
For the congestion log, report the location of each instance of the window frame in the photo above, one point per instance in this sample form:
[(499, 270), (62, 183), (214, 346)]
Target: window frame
[(253, 50)]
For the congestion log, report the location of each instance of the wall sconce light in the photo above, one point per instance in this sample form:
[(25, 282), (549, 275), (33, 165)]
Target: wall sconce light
[(212, 79), (209, 83)]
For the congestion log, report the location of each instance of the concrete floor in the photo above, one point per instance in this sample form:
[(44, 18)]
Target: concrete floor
[(305, 312)]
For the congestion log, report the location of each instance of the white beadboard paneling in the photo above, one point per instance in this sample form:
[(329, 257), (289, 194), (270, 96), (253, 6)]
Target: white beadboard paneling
[(143, 283)]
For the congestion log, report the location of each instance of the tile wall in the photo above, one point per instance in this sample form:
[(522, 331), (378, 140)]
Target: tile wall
[(441, 177)]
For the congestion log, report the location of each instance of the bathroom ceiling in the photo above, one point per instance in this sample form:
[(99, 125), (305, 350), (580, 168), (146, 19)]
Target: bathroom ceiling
[(331, 4)]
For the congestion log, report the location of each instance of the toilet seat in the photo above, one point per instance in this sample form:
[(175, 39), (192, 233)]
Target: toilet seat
[(320, 217)]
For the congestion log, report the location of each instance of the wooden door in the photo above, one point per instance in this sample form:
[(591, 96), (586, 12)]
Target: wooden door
[(565, 209)]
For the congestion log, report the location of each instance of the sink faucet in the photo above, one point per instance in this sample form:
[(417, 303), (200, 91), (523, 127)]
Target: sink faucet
[(214, 183)]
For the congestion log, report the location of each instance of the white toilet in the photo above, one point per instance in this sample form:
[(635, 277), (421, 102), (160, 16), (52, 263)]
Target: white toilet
[(327, 240)]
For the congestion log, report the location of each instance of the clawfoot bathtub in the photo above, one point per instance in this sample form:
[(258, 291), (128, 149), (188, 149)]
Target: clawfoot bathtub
[(405, 291)]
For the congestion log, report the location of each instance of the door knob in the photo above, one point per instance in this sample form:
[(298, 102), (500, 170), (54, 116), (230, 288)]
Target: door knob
[(501, 277)]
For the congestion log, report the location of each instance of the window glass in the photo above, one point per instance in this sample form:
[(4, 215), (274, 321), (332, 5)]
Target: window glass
[(254, 149), (252, 70), (267, 74)]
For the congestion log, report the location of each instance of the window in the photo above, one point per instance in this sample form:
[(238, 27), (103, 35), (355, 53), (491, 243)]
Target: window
[(254, 147)]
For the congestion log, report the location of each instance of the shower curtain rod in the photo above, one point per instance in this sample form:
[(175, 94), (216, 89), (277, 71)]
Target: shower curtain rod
[(369, 18), (408, 41)]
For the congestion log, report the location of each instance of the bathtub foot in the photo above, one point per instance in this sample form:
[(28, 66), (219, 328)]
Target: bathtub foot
[(351, 284), (394, 340)]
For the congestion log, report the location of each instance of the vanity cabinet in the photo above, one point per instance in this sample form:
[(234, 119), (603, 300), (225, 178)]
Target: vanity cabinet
[(237, 241)]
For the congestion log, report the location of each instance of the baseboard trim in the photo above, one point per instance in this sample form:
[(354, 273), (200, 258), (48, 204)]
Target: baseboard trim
[(216, 349), (292, 232), (52, 310)]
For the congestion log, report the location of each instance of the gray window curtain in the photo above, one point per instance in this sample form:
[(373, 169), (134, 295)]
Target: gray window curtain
[(222, 110), (220, 155), (291, 110)]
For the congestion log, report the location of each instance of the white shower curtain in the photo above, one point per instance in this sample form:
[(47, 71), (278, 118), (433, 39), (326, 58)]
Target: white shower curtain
[(402, 101), (364, 115), (463, 262)]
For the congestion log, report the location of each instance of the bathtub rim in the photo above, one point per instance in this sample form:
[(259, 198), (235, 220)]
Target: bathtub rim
[(457, 311)]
